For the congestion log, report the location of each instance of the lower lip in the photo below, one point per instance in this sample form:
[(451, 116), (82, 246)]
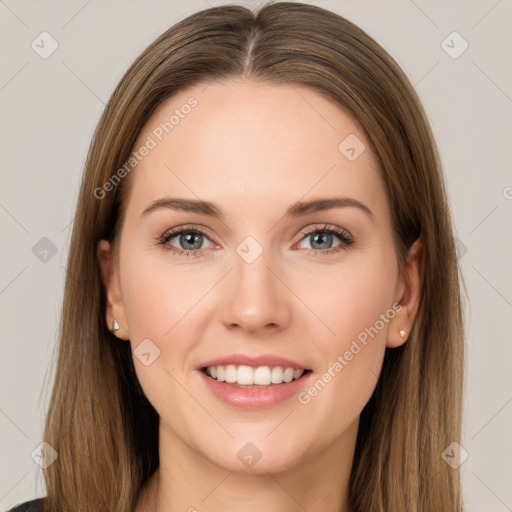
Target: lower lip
[(254, 398)]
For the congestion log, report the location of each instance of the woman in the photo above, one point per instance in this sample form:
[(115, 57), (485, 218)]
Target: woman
[(262, 306)]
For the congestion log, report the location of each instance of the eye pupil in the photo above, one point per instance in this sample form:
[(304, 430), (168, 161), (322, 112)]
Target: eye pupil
[(191, 238), (321, 235)]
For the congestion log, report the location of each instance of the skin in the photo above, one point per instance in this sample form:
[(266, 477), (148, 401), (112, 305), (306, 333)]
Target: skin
[(254, 149)]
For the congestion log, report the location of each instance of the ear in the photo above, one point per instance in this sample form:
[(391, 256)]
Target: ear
[(115, 307), (407, 294)]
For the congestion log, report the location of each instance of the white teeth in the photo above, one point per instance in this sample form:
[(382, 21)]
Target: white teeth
[(262, 375), (277, 375), (247, 375), (297, 374), (288, 375), (230, 373)]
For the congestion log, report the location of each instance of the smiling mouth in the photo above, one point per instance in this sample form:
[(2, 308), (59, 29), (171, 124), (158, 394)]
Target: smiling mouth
[(243, 376)]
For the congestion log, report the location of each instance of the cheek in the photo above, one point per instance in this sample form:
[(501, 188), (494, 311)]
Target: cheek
[(159, 303), (346, 300), (354, 304), (351, 357), (158, 294)]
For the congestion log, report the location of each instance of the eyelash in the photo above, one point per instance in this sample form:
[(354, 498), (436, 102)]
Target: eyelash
[(346, 239)]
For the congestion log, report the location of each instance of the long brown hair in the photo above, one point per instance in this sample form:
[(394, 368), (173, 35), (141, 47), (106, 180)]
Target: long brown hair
[(99, 421)]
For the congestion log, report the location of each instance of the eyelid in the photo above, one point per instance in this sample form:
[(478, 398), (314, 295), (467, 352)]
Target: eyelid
[(326, 228), (187, 228)]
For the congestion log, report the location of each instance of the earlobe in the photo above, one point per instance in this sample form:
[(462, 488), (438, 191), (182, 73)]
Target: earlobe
[(408, 290), (115, 314)]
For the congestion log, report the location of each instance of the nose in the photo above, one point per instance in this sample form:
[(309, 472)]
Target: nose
[(255, 299)]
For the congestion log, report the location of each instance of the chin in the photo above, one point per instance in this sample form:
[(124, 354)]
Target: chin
[(256, 457)]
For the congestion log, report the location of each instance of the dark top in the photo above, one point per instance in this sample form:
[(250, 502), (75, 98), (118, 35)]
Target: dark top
[(29, 506)]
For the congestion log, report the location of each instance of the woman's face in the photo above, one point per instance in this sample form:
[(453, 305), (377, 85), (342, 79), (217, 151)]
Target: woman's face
[(261, 271)]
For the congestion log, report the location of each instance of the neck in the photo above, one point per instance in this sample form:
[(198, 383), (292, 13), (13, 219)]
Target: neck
[(186, 481)]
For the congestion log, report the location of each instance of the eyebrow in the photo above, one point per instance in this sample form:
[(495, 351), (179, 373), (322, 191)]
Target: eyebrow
[(297, 209)]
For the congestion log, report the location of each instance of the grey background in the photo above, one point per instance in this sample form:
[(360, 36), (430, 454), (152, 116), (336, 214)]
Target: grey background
[(49, 109)]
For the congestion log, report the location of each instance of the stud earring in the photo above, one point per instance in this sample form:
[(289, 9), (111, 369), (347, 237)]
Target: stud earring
[(402, 333), (115, 326)]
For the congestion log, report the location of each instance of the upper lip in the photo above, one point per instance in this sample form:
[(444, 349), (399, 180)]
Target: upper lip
[(255, 361)]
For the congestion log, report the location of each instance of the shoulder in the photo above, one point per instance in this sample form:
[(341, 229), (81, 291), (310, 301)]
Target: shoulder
[(35, 505)]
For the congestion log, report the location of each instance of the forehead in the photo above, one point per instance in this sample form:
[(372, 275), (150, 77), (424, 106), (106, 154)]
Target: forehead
[(250, 145)]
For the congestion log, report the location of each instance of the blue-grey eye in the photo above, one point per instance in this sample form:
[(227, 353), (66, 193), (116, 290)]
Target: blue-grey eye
[(321, 240), (191, 241)]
